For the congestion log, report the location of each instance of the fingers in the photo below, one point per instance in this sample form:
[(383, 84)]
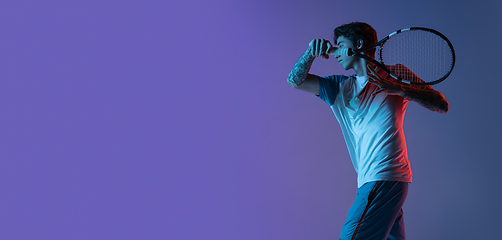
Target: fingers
[(370, 69), (374, 78), (328, 48), (377, 92), (376, 82), (374, 74), (320, 48)]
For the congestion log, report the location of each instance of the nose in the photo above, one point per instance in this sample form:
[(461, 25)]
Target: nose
[(339, 52), (337, 55)]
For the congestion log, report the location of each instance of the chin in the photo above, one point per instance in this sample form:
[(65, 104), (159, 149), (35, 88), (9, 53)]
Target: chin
[(347, 66), (343, 66)]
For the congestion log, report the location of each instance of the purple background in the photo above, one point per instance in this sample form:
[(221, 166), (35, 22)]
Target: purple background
[(173, 120)]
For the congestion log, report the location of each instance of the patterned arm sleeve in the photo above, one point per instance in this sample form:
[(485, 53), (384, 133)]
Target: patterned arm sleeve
[(301, 69)]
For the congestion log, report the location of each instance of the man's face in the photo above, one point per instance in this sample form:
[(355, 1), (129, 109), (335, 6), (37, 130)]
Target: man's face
[(346, 61)]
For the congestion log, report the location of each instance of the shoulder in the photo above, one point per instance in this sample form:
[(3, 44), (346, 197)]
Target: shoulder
[(335, 78), (329, 87)]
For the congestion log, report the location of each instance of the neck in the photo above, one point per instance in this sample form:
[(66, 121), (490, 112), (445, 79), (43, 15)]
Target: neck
[(360, 67)]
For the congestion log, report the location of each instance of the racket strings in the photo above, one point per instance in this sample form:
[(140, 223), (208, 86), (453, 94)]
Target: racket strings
[(417, 56)]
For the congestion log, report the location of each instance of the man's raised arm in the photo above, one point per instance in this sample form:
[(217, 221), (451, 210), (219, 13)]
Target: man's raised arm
[(425, 95), (299, 76)]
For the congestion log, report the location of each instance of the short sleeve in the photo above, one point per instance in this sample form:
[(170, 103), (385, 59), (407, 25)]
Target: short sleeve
[(329, 87)]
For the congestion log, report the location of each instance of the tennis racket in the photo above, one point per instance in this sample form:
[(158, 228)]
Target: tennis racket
[(415, 55)]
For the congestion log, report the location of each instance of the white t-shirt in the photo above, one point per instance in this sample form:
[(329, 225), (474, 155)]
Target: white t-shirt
[(360, 83), (372, 127)]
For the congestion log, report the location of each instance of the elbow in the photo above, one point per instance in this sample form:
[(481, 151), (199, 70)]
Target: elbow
[(444, 107), (293, 83)]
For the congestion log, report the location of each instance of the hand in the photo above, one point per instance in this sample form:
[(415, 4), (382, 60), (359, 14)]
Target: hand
[(384, 85), (321, 48)]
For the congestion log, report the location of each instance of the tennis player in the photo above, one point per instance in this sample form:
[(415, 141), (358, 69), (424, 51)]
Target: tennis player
[(369, 107)]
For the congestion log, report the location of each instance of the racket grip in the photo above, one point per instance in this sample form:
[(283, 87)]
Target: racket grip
[(343, 51)]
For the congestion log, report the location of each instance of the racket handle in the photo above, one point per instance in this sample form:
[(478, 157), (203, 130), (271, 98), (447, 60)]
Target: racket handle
[(343, 51)]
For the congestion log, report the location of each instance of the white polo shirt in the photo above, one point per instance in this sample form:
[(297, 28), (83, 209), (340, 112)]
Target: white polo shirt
[(372, 127)]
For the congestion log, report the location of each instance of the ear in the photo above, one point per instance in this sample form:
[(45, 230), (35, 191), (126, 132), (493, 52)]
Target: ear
[(359, 44)]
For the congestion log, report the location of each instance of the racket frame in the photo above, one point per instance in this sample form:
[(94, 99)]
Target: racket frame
[(357, 52)]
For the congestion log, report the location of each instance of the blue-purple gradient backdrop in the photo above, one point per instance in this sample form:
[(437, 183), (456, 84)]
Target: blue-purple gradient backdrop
[(173, 120)]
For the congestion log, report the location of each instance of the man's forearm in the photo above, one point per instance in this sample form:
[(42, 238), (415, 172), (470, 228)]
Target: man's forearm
[(428, 98), (301, 69)]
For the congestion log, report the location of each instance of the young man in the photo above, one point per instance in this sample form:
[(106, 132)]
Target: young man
[(370, 109)]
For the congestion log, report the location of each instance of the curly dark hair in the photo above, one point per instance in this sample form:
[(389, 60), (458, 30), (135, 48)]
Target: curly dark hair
[(358, 30)]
